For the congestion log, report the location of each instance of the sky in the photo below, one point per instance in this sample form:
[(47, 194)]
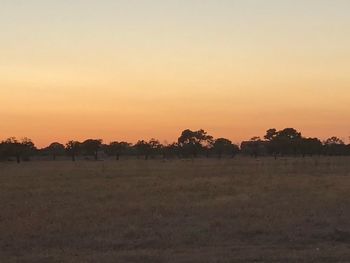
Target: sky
[(129, 70)]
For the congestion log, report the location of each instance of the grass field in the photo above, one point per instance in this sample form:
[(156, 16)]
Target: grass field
[(234, 210)]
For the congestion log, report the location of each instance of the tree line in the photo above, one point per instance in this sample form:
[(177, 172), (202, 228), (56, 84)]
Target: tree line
[(190, 144)]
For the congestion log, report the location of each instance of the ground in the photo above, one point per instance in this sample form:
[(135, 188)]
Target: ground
[(205, 210)]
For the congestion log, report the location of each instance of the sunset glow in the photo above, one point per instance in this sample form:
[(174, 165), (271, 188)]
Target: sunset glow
[(127, 70)]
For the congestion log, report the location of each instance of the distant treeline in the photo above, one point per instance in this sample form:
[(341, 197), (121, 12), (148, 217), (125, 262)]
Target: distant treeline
[(191, 144)]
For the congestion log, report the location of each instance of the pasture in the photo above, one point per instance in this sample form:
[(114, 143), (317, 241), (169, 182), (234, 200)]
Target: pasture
[(205, 210)]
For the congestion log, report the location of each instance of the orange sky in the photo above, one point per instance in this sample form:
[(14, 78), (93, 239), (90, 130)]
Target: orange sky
[(127, 71)]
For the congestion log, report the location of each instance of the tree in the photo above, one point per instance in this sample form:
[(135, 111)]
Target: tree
[(21, 150), (73, 148), (310, 146), (286, 141), (147, 149), (91, 147), (333, 141), (143, 148), (335, 146), (155, 147), (3, 154), (193, 142), (254, 147), (170, 150), (224, 146), (289, 134), (27, 148), (117, 148), (270, 134), (55, 149)]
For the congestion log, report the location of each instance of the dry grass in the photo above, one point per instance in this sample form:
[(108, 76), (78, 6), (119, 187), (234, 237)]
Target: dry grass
[(241, 210)]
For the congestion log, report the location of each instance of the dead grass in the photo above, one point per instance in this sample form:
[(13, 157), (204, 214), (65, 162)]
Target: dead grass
[(241, 210)]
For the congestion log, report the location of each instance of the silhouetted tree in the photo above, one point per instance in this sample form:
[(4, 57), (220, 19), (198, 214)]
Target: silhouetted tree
[(73, 148), (2, 151), (170, 151), (335, 146), (117, 149), (143, 148), (310, 146), (21, 150), (91, 147), (27, 148), (333, 141), (286, 141), (55, 149), (192, 143), (224, 146), (155, 147), (272, 145), (271, 134), (254, 147)]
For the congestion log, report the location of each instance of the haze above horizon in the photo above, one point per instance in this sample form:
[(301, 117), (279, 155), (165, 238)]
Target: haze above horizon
[(140, 69)]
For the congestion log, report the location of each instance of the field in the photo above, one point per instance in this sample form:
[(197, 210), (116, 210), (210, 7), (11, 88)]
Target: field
[(206, 210)]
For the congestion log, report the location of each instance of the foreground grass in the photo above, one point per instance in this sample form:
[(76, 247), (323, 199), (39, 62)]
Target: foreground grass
[(241, 210)]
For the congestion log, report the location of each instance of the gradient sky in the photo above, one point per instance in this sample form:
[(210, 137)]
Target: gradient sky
[(127, 70)]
